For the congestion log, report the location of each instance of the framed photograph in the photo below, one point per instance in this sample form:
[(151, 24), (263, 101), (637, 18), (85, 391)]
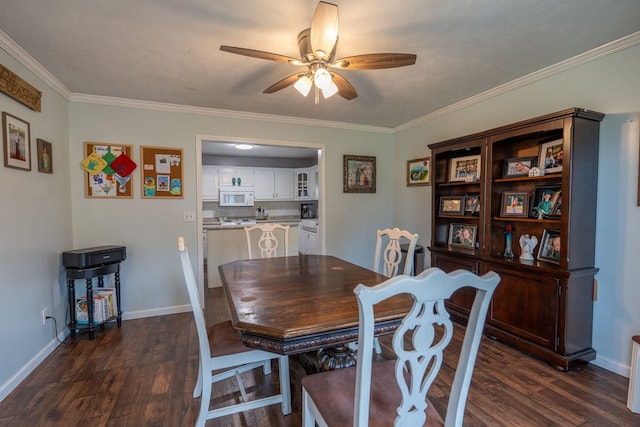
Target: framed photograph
[(17, 142), (550, 246), (544, 202), (358, 174), (464, 169), (518, 166), (550, 157), (463, 235), (452, 205), (472, 203), (515, 204), (45, 156), (419, 172)]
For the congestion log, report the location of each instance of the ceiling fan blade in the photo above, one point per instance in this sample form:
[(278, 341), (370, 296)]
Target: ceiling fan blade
[(324, 29), (286, 82), (345, 89), (261, 54), (375, 61)]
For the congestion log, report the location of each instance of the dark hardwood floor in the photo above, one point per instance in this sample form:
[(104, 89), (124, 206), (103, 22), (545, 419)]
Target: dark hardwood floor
[(144, 373)]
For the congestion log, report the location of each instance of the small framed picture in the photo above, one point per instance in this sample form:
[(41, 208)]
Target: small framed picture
[(544, 202), (17, 142), (518, 166), (463, 235), (515, 204), (471, 203), (550, 246), (419, 172), (358, 174), (464, 169), (550, 157), (452, 205), (44, 156)]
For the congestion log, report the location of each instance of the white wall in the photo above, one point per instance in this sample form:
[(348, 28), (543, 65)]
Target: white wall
[(35, 228), (608, 85)]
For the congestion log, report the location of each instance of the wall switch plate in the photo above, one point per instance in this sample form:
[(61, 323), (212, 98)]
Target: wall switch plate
[(189, 216), (45, 314)]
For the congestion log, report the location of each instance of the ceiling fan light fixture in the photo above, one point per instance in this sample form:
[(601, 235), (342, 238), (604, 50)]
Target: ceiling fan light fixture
[(322, 78), (330, 90), (244, 146), (303, 85)]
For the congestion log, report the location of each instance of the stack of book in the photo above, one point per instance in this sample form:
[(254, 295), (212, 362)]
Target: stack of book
[(105, 307)]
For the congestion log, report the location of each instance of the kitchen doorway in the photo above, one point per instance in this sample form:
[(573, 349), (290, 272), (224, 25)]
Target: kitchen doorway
[(222, 151)]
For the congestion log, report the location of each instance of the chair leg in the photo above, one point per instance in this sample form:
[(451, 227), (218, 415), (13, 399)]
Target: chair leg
[(266, 368), (197, 391), (308, 419), (285, 384), (376, 344), (204, 403)]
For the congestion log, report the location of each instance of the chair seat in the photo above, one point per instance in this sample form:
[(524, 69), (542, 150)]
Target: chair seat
[(226, 338), (333, 392)]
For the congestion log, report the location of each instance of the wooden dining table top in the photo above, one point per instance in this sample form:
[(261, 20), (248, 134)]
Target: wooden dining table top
[(295, 304)]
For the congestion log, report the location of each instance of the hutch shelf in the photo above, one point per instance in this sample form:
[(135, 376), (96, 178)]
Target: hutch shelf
[(543, 305)]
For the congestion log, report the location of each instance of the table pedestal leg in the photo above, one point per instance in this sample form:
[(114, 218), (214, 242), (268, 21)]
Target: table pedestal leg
[(337, 358)]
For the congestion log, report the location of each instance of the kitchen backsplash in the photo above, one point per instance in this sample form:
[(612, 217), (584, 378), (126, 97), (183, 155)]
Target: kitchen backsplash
[(273, 210)]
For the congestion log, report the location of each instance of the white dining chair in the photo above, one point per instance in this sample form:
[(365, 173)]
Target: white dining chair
[(270, 239), (394, 392), (221, 349), (387, 261)]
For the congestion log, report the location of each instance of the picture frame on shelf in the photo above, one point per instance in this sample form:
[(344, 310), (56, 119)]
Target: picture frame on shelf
[(462, 236), (551, 156), (452, 205), (472, 203), (16, 142), (546, 203), (419, 172), (465, 169), (514, 204), (550, 246), (518, 166), (358, 174), (45, 156)]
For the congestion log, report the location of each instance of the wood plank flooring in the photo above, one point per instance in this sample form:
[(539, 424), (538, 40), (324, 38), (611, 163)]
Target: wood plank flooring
[(143, 375)]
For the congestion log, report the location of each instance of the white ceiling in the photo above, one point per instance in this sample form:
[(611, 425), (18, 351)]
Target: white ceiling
[(167, 51)]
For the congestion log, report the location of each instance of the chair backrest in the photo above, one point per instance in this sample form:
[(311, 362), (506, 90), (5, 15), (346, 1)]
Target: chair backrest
[(420, 340), (392, 254), (270, 239), (192, 288)]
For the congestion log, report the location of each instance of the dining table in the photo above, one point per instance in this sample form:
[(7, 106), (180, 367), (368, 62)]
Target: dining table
[(301, 304)]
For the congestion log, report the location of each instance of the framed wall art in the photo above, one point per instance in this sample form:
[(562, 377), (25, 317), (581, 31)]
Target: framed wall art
[(108, 168), (551, 155), (464, 169), (16, 137), (161, 172), (419, 172), (45, 156), (462, 235), (358, 174), (515, 204)]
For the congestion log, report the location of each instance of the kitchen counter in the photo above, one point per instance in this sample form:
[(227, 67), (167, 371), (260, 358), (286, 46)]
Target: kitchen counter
[(216, 225)]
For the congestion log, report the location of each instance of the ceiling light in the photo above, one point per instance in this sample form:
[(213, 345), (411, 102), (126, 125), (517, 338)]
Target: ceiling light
[(244, 146), (330, 90), (322, 78), (303, 85)]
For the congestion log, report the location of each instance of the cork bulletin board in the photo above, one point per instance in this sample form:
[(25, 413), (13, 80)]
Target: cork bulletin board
[(161, 172), (104, 182)]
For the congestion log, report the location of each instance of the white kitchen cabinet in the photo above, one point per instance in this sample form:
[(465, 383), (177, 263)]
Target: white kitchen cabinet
[(236, 177), (308, 238), (313, 182), (273, 184), (302, 184), (210, 184)]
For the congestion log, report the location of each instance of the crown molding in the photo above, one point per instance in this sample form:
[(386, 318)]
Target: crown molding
[(21, 55), (586, 57)]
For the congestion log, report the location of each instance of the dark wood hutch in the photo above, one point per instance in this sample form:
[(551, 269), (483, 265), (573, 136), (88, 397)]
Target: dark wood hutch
[(543, 306)]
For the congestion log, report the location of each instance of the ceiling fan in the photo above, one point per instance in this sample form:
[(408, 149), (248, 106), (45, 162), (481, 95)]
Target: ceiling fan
[(317, 47)]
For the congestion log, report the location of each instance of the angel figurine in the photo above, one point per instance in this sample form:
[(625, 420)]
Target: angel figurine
[(527, 243)]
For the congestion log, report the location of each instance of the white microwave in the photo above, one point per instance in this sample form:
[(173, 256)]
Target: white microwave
[(235, 196)]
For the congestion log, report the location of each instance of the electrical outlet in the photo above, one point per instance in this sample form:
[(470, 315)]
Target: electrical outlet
[(45, 314), (189, 216)]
